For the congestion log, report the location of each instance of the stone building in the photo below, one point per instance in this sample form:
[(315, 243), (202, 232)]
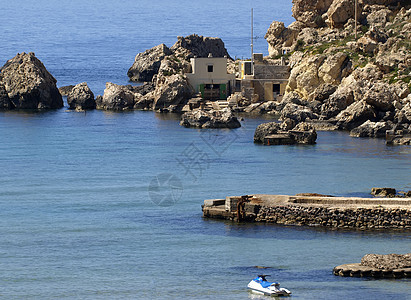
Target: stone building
[(209, 77), (262, 81)]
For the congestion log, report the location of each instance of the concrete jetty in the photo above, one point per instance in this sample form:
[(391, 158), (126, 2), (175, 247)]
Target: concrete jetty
[(313, 210)]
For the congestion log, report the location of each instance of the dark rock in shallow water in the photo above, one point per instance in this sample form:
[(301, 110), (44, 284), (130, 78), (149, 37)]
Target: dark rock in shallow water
[(210, 119), (81, 97), (28, 84), (383, 192)]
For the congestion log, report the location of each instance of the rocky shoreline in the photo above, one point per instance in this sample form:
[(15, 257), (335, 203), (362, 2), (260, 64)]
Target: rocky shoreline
[(314, 211), (337, 81)]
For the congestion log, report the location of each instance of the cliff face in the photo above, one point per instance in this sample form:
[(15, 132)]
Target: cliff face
[(348, 80)]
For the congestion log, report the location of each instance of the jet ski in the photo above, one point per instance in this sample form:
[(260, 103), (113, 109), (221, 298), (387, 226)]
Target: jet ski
[(262, 286)]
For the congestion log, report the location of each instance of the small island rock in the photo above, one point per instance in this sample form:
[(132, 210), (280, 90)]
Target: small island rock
[(28, 84), (81, 97)]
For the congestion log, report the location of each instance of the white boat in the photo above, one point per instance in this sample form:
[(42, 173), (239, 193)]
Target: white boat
[(262, 286)]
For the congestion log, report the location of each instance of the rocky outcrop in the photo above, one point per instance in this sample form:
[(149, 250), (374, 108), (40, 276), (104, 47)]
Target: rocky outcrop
[(355, 115), (210, 119), (172, 92), (383, 192), (81, 97), (28, 84), (371, 129), (310, 12), (147, 64), (200, 46), (116, 97), (279, 134)]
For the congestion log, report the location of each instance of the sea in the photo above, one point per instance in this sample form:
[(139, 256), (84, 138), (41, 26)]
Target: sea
[(107, 205)]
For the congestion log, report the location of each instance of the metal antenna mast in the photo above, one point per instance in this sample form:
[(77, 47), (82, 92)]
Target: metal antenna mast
[(252, 40)]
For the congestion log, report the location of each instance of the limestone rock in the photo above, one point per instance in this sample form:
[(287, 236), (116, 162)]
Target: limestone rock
[(279, 37), (339, 13), (323, 92), (116, 97), (5, 103), (310, 12), (273, 133), (304, 133), (330, 71), (383, 192), (355, 114), (81, 97), (210, 119), (371, 129), (28, 84), (296, 112), (65, 90), (381, 96), (379, 16), (172, 90), (265, 129), (200, 46), (387, 262), (337, 102), (147, 64), (403, 115)]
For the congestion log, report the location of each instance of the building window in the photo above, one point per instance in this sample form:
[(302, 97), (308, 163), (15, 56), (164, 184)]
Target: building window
[(210, 68), (276, 88)]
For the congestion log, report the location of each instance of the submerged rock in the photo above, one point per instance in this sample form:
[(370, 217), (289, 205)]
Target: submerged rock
[(81, 97), (28, 84), (210, 119), (383, 192)]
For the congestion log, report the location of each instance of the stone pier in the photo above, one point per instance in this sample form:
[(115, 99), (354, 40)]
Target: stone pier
[(314, 210)]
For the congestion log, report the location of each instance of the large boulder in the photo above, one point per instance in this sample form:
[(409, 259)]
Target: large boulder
[(354, 115), (172, 92), (381, 96), (278, 36), (116, 97), (147, 64), (265, 129), (200, 46), (210, 119), (81, 97), (273, 133), (310, 12), (337, 102), (340, 12), (28, 84), (371, 129)]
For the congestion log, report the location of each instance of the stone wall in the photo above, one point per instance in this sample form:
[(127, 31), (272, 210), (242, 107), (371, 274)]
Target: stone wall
[(361, 218)]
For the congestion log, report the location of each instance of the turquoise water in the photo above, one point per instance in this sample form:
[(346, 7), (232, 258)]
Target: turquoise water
[(80, 212)]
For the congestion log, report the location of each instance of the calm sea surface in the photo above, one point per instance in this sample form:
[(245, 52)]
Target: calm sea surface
[(108, 205)]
